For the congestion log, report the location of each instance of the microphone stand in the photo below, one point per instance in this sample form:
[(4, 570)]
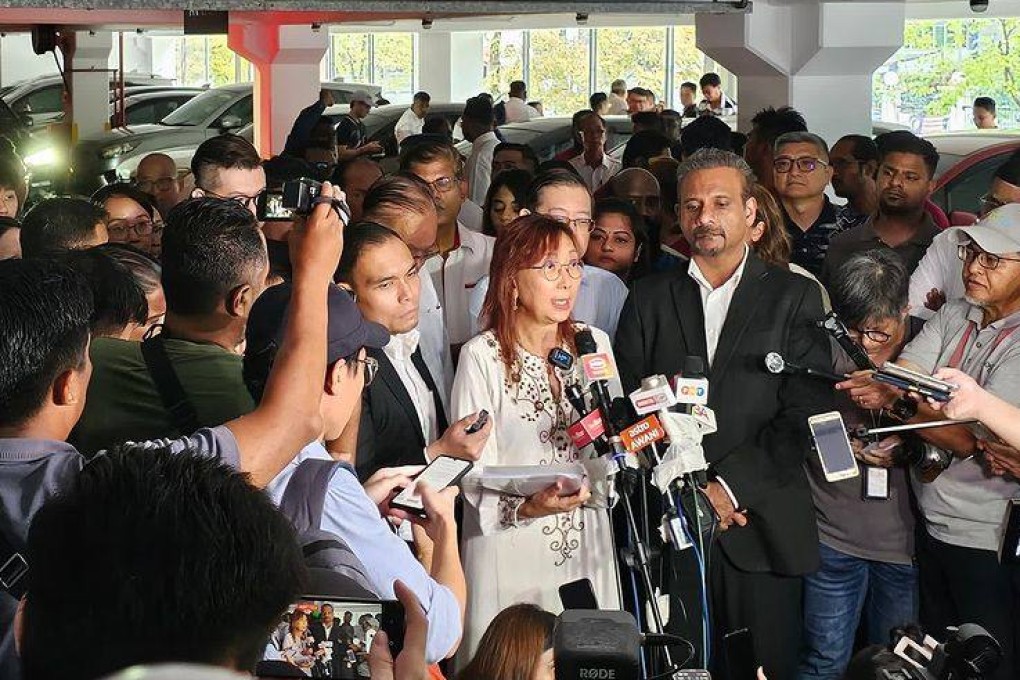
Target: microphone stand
[(639, 551)]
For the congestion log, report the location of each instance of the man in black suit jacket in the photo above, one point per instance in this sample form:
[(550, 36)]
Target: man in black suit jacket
[(327, 629), (402, 410), (731, 309)]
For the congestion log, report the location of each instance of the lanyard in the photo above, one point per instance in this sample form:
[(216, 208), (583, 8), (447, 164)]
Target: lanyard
[(957, 357)]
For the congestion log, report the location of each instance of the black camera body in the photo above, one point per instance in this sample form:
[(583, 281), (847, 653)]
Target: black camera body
[(299, 195)]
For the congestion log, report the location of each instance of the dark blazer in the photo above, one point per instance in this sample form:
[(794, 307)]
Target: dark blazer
[(762, 441), (318, 632), (390, 433)]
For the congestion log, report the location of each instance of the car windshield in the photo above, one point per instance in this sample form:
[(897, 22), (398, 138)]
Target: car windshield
[(200, 109), (946, 161)]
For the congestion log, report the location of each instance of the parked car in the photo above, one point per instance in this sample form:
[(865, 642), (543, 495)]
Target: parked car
[(43, 98), (104, 157), (967, 164), (147, 108), (549, 136)]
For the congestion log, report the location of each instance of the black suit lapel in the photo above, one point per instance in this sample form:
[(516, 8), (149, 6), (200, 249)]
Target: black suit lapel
[(389, 376), (740, 313), (689, 311)]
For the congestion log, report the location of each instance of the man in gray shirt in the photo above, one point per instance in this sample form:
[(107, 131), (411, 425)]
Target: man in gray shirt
[(960, 575)]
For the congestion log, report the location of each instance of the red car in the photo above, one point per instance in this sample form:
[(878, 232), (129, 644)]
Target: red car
[(967, 164)]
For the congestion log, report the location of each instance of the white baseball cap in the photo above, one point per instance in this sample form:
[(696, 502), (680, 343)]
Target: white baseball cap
[(363, 97), (998, 232)]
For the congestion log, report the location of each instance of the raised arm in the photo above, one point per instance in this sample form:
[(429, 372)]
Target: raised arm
[(288, 417)]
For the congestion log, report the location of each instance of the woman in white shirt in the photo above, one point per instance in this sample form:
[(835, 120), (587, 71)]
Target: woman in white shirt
[(296, 649), (523, 549)]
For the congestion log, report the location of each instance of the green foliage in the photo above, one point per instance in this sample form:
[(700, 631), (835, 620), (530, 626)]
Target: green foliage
[(944, 61), (559, 70), (638, 55)]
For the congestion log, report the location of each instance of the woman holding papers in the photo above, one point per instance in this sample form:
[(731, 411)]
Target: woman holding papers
[(522, 549)]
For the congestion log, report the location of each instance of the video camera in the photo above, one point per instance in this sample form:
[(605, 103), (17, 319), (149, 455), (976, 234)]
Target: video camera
[(969, 653)]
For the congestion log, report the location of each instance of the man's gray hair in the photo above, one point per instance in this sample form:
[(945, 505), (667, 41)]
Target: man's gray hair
[(874, 284), (802, 138), (710, 159)]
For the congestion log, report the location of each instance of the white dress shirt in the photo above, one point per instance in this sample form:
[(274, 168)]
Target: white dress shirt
[(939, 268), (617, 105), (715, 301), (455, 277), (434, 340), (408, 124), (596, 177), (518, 111), (478, 167), (399, 350)]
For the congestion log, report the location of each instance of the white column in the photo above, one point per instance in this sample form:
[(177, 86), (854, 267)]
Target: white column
[(816, 56), (89, 75), (286, 60), (450, 65)]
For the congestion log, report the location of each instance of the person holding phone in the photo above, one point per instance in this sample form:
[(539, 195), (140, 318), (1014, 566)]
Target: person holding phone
[(865, 523), (522, 549)]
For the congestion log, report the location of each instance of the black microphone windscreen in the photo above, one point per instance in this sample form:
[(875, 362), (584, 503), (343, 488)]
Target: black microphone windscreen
[(585, 342), (694, 367), (622, 413)]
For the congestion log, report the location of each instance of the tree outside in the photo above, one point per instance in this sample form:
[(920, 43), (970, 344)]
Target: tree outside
[(943, 65)]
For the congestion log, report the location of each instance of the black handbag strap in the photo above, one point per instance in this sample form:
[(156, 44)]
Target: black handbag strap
[(168, 385)]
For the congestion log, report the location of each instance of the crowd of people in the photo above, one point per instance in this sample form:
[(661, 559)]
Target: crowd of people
[(205, 415)]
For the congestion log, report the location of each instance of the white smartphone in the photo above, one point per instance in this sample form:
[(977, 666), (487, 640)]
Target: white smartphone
[(833, 446), (439, 474)]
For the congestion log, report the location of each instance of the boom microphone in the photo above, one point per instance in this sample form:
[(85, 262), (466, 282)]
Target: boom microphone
[(776, 364)]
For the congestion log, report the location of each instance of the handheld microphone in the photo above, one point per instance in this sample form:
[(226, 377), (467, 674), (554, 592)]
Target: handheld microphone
[(561, 358), (598, 368), (692, 385), (776, 364), (575, 395), (838, 331)]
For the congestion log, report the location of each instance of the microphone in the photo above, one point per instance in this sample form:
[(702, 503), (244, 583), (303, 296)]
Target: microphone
[(561, 358), (776, 364), (692, 385), (575, 395), (598, 368)]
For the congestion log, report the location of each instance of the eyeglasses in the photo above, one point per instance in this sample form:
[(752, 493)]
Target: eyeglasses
[(161, 184), (585, 223), (551, 271), (442, 185), (989, 203), (985, 260), (877, 337), (247, 201), (371, 367), (784, 164), (119, 229)]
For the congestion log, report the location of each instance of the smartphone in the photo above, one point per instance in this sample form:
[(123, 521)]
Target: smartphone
[(738, 648), (578, 594), (269, 207), (833, 446), (299, 646), (483, 417), (442, 472)]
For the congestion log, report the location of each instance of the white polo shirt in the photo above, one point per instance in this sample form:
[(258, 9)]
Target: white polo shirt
[(455, 277)]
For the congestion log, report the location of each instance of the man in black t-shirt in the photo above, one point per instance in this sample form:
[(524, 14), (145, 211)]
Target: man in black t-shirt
[(351, 136)]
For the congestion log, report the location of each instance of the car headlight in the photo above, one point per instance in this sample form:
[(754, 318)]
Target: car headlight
[(42, 158), (117, 150)]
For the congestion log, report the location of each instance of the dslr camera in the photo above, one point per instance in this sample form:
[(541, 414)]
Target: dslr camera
[(296, 198), (969, 653)]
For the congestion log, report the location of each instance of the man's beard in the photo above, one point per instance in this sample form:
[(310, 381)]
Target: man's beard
[(899, 209), (707, 252)]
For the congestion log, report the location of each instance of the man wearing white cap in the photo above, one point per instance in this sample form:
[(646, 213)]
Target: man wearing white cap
[(937, 277), (961, 578), (351, 136)]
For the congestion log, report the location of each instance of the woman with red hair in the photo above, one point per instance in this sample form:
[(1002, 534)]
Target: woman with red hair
[(519, 549)]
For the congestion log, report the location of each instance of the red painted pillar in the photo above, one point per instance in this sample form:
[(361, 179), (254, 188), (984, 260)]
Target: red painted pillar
[(287, 58)]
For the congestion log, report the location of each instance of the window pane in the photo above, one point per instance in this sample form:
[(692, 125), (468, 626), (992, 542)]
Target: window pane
[(638, 55), (350, 57), (503, 58), (559, 69), (394, 65), (688, 61)]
